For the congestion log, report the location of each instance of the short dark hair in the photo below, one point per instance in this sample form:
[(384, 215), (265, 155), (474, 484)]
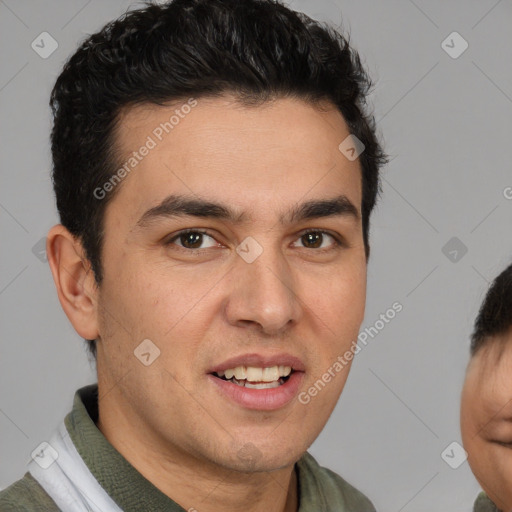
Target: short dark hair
[(495, 316), (257, 50)]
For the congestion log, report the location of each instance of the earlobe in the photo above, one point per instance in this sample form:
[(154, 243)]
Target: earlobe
[(74, 280)]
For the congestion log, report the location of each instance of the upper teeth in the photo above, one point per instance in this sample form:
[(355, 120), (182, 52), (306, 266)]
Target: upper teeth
[(254, 374)]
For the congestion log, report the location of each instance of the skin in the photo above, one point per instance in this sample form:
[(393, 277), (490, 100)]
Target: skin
[(203, 306), (486, 424)]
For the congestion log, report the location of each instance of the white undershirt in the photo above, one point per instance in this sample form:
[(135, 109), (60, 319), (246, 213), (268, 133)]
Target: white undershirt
[(62, 473)]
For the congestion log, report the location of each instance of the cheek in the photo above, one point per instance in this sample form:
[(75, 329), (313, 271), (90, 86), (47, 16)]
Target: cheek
[(492, 467), (491, 464), (337, 311), (339, 298), (135, 302), (466, 421), (173, 310), (478, 450)]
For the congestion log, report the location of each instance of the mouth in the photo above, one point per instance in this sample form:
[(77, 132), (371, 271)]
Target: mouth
[(258, 382), (256, 378)]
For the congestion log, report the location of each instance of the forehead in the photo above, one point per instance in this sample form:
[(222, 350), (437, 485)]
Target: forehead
[(286, 147), (489, 377), (232, 133)]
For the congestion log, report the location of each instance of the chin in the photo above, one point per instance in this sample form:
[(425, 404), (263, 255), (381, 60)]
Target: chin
[(253, 458), (261, 466)]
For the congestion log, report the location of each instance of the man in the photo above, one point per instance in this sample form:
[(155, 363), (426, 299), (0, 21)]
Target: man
[(215, 171), (486, 407)]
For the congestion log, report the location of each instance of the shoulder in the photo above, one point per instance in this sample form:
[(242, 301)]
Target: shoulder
[(26, 495), (484, 504), (323, 488)]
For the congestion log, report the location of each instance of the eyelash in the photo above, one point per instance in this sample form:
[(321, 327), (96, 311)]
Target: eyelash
[(337, 241)]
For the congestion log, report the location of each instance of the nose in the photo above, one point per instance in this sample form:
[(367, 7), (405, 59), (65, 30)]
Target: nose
[(263, 293)]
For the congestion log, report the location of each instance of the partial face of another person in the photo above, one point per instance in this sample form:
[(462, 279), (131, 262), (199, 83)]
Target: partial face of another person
[(271, 274), (486, 419)]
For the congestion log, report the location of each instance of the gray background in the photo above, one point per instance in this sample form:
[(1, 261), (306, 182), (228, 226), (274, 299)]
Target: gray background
[(447, 124)]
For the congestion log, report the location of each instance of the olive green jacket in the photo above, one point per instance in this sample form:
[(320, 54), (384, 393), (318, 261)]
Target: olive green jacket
[(484, 504)]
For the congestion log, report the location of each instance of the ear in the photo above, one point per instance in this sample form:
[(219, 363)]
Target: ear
[(74, 280)]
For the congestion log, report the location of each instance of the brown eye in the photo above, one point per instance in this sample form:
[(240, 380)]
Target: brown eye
[(313, 240), (316, 239), (191, 239)]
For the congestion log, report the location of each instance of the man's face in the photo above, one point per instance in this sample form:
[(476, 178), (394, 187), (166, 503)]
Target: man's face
[(486, 421), (216, 300)]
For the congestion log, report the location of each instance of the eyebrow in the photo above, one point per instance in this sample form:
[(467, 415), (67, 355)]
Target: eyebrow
[(179, 206)]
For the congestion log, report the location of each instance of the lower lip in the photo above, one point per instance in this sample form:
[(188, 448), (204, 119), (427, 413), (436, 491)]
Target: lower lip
[(261, 399)]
